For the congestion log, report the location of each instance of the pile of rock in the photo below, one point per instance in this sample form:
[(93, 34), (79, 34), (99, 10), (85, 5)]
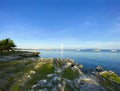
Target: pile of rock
[(55, 81), (29, 54)]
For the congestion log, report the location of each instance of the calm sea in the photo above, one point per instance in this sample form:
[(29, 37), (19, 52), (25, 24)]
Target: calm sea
[(89, 59)]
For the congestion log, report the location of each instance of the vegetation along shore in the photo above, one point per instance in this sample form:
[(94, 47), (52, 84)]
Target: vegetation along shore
[(24, 71)]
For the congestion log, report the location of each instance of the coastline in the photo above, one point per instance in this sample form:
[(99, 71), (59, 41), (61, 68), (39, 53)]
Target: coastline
[(63, 73)]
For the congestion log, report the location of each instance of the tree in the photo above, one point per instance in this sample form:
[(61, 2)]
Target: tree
[(7, 45)]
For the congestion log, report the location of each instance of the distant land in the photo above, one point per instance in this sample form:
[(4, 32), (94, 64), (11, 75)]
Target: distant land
[(51, 49)]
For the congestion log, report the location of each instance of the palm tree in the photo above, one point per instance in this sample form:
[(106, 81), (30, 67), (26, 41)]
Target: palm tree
[(7, 45)]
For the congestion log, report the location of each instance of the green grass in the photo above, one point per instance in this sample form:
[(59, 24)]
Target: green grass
[(11, 71), (111, 76), (70, 74), (14, 87), (40, 74)]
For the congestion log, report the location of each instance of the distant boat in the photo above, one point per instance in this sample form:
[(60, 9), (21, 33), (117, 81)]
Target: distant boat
[(97, 50), (113, 50)]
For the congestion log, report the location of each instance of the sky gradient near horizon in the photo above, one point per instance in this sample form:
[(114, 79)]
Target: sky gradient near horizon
[(53, 23)]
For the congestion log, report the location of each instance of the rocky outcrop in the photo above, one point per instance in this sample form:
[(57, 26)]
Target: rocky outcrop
[(99, 68), (109, 80), (30, 54), (18, 56), (57, 82)]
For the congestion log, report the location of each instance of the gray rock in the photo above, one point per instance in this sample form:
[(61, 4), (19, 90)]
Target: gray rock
[(60, 87), (51, 75), (80, 66), (99, 68), (54, 89), (49, 84), (45, 89), (42, 82), (31, 90), (56, 78), (76, 83), (34, 86)]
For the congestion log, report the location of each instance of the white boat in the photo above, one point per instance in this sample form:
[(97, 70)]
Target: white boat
[(97, 50), (113, 50)]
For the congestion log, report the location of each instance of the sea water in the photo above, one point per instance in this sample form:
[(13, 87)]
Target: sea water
[(89, 59)]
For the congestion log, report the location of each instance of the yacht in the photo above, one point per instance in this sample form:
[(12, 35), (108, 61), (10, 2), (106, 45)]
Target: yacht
[(113, 50), (97, 50)]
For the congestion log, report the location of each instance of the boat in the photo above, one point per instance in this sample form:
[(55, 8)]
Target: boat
[(113, 50), (97, 50)]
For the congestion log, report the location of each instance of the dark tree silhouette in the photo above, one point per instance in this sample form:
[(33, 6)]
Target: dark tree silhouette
[(7, 45)]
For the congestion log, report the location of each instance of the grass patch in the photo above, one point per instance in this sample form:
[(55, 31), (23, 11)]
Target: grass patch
[(14, 87), (41, 73), (111, 76), (10, 72), (70, 74), (110, 79)]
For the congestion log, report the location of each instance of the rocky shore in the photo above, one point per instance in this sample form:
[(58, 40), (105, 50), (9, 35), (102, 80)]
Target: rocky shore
[(55, 74), (18, 56)]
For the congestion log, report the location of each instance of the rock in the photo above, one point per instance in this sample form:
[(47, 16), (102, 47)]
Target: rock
[(34, 86), (68, 64), (80, 66), (49, 84), (75, 68), (54, 89), (29, 54), (45, 89), (60, 70), (99, 68), (111, 72), (56, 78), (31, 90), (60, 79), (29, 76), (76, 83), (42, 82), (63, 85), (103, 72), (88, 84), (87, 80), (32, 72), (60, 87), (51, 75)]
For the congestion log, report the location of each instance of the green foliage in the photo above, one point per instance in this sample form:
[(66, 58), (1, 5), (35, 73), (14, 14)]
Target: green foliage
[(110, 80), (69, 88), (14, 87), (11, 72), (7, 45), (41, 73), (70, 74), (111, 76)]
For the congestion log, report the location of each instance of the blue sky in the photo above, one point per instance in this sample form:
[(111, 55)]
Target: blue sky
[(51, 23)]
